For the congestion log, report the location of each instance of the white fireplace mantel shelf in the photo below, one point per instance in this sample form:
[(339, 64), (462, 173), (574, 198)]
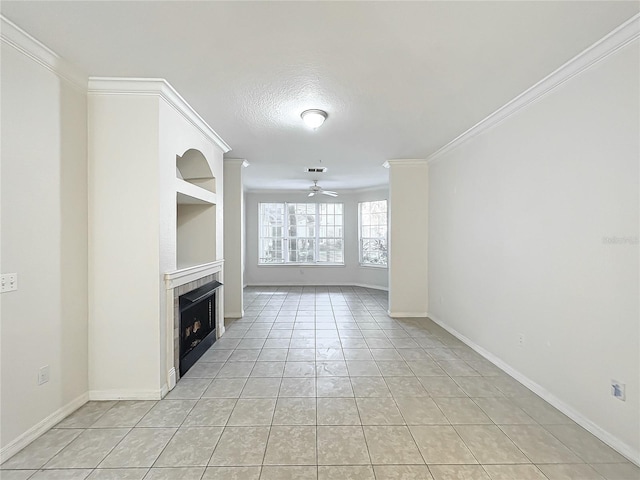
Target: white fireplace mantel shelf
[(190, 274)]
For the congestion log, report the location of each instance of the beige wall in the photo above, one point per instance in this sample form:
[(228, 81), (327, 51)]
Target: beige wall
[(233, 238), (520, 221), (408, 222), (124, 270), (44, 240)]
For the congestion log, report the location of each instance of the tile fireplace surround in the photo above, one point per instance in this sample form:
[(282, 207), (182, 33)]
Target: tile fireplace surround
[(183, 281)]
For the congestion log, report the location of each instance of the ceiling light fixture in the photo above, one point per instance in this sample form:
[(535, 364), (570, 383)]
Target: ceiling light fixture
[(314, 117)]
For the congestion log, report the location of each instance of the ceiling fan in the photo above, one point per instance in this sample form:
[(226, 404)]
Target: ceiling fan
[(315, 190)]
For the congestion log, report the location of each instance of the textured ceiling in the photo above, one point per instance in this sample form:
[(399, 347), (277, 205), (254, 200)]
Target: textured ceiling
[(398, 79)]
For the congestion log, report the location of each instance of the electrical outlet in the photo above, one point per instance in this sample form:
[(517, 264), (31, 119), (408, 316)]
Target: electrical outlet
[(521, 339), (9, 282), (618, 390), (43, 375)]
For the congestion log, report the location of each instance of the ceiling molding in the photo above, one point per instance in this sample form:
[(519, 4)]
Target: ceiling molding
[(373, 188), (236, 162), (603, 48), (405, 162), (343, 191), (155, 87), (24, 43)]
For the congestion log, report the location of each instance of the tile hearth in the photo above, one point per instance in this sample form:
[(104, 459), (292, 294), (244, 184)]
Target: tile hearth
[(319, 383)]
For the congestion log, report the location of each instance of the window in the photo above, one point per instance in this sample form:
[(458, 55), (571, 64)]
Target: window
[(301, 233), (373, 233)]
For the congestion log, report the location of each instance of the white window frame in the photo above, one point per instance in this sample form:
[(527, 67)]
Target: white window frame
[(361, 238), (286, 238)]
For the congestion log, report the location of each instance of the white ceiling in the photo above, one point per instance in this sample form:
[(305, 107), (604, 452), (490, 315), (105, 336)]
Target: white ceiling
[(398, 79)]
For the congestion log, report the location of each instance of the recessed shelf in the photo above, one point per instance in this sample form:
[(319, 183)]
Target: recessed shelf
[(188, 193)]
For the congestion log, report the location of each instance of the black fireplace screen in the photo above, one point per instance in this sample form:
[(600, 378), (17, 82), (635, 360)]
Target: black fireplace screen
[(197, 323)]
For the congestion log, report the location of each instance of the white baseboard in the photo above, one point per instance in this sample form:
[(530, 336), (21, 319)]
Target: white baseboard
[(618, 445), (164, 390), (41, 427), (171, 380), (407, 314), (372, 287), (126, 394), (316, 284), (234, 314)]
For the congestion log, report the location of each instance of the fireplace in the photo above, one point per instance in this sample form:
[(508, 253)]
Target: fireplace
[(197, 310)]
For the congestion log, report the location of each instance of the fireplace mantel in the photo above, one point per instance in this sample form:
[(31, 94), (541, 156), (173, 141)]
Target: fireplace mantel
[(189, 274)]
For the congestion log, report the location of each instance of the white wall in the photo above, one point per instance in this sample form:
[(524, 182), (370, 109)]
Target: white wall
[(519, 218), (233, 238), (349, 274), (124, 270), (408, 224), (44, 240)]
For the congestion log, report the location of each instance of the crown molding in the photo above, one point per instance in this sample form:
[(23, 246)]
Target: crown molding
[(405, 162), (236, 161), (155, 87), (603, 48), (342, 191), (373, 188), (15, 37)]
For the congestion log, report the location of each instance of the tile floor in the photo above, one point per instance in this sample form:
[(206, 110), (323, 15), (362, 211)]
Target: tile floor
[(319, 383)]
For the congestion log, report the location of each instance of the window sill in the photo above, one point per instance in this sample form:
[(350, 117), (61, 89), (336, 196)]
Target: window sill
[(301, 265), (373, 265)]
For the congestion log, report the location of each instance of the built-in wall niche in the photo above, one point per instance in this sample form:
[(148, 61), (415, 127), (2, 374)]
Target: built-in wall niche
[(192, 167), (196, 234), (196, 210)]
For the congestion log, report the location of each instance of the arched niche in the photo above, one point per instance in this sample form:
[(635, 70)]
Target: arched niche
[(194, 168)]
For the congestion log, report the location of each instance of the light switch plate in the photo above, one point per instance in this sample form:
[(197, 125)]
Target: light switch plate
[(9, 282)]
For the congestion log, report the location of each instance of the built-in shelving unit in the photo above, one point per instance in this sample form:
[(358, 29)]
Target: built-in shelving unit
[(188, 193), (196, 210), (164, 216)]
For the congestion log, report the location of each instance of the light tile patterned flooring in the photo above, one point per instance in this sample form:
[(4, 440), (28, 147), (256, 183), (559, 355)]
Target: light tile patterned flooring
[(319, 383)]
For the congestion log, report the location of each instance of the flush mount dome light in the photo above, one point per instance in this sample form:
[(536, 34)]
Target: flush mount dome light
[(314, 118)]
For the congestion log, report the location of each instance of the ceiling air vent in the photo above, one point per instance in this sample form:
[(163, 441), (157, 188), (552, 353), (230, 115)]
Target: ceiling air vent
[(315, 169)]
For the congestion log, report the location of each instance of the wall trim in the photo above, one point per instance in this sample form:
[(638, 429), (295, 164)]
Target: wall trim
[(403, 162), (383, 188), (236, 162), (234, 315), (155, 87), (127, 394), (618, 445), (407, 314), (14, 36), (606, 46), (164, 390), (324, 284), (41, 427), (171, 379), (191, 274), (371, 286)]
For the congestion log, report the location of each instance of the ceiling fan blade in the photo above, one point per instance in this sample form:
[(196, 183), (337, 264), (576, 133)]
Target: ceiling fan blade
[(331, 194), (311, 194)]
